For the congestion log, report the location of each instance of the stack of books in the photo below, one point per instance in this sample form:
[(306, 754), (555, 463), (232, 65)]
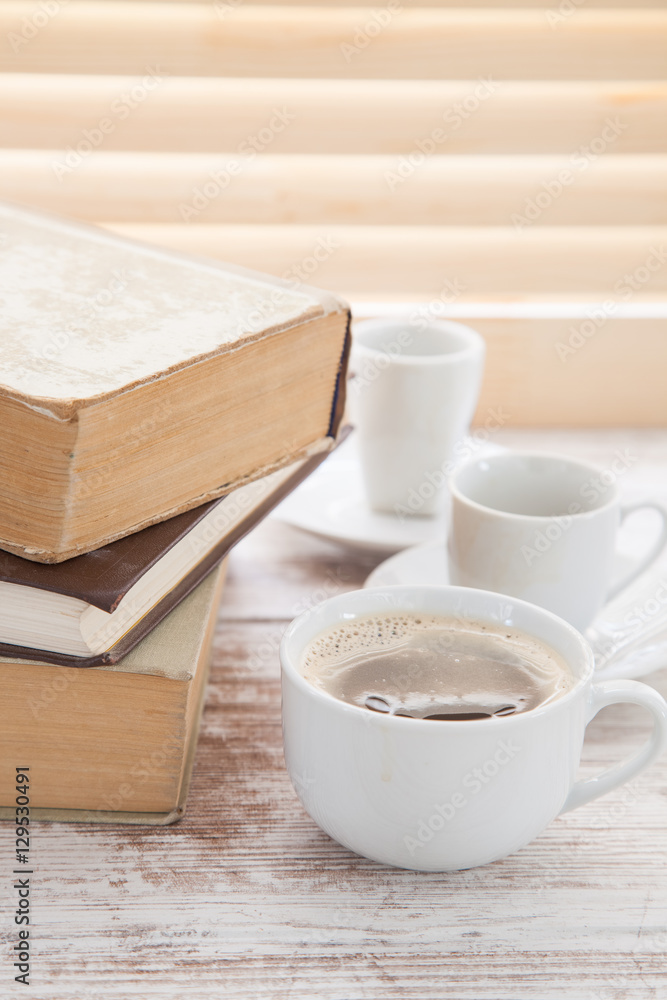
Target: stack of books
[(153, 408)]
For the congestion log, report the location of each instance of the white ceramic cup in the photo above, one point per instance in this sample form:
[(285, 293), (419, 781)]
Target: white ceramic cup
[(445, 795), (543, 528), (412, 398)]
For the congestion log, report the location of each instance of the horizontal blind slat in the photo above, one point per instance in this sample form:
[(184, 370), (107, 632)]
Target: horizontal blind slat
[(96, 36), (327, 116), (226, 7), (381, 190), (614, 377), (480, 262)]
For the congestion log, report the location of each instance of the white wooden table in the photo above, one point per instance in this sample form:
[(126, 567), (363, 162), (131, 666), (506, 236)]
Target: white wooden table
[(247, 899)]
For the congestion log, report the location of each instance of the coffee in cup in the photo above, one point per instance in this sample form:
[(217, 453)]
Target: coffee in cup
[(434, 667), (445, 795)]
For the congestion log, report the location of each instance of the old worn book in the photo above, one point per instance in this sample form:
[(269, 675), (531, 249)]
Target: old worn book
[(136, 383), (96, 607), (114, 743)]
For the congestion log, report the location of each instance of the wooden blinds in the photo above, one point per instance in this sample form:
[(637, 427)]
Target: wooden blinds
[(505, 165)]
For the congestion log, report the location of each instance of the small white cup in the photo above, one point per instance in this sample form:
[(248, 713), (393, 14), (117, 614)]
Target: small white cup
[(445, 795), (542, 528), (413, 396)]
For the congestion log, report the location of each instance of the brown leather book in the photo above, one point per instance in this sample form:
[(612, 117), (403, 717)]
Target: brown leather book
[(137, 383), (95, 608)]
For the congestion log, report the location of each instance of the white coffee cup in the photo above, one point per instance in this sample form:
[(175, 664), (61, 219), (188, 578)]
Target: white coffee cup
[(447, 795), (413, 396), (543, 528)]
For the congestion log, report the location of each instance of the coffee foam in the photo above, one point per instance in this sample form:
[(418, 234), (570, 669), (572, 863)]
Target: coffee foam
[(429, 666), (368, 633)]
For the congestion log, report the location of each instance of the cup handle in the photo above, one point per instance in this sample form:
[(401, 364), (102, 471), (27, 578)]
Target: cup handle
[(660, 544), (612, 693)]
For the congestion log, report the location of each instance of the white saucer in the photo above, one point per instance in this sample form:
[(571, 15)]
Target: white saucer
[(424, 564), (427, 565), (331, 504)]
